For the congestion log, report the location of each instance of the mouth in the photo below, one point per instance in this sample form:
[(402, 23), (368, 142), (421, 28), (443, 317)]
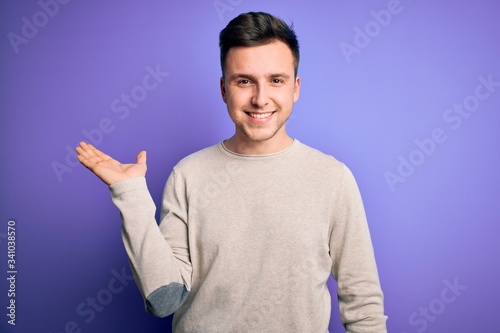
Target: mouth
[(259, 115)]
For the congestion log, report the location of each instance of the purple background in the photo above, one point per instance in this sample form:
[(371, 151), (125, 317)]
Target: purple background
[(438, 227)]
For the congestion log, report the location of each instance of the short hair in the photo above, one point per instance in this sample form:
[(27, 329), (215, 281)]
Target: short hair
[(254, 29)]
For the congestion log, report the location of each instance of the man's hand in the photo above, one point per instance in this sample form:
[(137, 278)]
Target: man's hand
[(108, 169)]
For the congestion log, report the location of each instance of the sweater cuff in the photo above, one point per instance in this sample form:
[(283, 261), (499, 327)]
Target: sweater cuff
[(128, 185)]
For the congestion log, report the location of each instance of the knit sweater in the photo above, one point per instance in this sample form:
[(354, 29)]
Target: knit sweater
[(246, 243)]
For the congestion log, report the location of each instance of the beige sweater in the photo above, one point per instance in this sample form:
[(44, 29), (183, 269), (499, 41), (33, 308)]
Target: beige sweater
[(247, 243)]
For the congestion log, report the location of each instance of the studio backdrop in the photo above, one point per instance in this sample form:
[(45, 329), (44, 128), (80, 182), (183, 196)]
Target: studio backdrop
[(404, 92)]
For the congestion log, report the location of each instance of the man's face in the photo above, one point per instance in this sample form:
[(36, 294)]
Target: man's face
[(259, 87)]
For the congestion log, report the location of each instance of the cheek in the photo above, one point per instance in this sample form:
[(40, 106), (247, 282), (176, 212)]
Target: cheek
[(237, 99), (232, 104), (287, 99)]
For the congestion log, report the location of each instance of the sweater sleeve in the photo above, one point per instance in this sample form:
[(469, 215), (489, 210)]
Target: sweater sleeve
[(158, 255), (353, 264)]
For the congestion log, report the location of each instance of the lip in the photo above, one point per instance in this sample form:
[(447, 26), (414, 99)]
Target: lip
[(260, 120)]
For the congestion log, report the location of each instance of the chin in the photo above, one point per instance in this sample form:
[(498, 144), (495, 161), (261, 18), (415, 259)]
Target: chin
[(260, 137)]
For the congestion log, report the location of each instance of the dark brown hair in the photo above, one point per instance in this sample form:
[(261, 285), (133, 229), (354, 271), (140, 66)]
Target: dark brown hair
[(257, 28)]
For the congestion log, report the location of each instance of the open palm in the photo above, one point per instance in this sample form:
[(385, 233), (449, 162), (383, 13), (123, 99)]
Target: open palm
[(109, 170)]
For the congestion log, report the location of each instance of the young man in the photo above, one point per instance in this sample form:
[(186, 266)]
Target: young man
[(252, 227)]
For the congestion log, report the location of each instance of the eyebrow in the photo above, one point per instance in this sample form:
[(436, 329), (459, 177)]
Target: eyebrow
[(251, 77)]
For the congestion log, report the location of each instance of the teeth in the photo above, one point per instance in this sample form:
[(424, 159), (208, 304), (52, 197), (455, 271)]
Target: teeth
[(260, 115)]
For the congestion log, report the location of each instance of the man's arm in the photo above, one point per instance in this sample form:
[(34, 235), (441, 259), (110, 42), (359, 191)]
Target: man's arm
[(162, 271), (360, 296)]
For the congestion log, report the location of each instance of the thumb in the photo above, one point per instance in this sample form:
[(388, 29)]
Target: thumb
[(141, 157)]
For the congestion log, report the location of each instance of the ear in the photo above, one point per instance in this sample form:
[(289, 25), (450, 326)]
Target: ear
[(296, 89), (223, 89)]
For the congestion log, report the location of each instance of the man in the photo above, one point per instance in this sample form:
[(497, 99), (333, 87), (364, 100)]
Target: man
[(252, 227)]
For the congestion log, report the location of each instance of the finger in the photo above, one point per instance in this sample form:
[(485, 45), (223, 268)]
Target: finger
[(86, 156), (88, 162), (98, 153), (80, 148), (141, 157), (84, 150), (82, 154), (91, 151), (84, 146)]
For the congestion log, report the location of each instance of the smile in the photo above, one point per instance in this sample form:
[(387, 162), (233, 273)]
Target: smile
[(259, 115)]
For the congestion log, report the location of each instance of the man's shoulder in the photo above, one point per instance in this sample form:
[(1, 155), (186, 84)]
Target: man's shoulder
[(327, 167), (199, 158), (316, 156)]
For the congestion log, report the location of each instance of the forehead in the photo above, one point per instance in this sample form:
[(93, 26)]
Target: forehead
[(272, 57)]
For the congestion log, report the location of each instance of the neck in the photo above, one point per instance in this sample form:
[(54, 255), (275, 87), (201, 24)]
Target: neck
[(246, 146)]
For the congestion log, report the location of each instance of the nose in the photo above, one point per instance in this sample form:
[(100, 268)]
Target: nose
[(260, 96)]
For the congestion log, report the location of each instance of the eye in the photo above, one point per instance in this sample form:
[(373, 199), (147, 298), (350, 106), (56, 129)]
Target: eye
[(243, 82), (277, 81)]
